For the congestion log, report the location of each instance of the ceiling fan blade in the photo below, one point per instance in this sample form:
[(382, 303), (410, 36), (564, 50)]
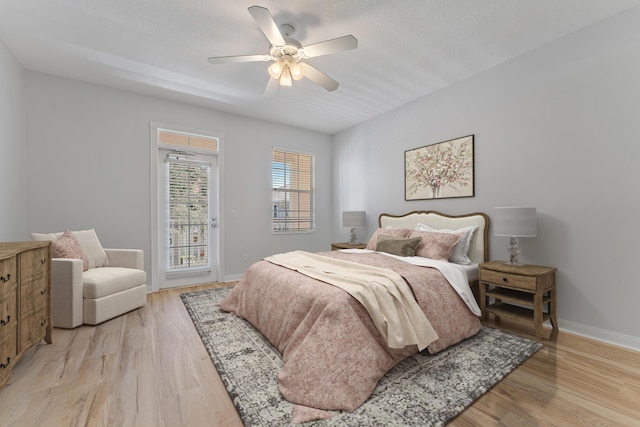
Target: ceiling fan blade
[(238, 59), (330, 46), (272, 87), (267, 25), (320, 78)]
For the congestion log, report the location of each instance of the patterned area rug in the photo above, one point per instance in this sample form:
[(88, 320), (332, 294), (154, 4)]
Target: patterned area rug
[(422, 390)]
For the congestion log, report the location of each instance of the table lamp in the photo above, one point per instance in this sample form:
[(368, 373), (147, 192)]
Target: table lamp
[(354, 219), (515, 222)]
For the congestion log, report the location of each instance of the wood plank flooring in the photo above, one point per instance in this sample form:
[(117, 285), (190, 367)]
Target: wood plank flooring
[(149, 368)]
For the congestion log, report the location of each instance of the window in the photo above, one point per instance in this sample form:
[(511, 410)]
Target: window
[(188, 214), (181, 139), (293, 191), (186, 202)]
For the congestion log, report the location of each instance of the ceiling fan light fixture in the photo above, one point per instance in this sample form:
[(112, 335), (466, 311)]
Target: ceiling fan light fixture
[(285, 77), (275, 70), (297, 71)]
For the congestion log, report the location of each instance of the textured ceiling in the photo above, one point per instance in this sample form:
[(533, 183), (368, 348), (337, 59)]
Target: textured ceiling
[(407, 48)]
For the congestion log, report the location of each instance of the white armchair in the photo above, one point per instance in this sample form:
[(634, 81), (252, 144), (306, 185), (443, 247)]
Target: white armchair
[(114, 283)]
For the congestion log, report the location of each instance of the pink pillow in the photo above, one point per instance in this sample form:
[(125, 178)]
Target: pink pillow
[(436, 245), (395, 232), (67, 246)]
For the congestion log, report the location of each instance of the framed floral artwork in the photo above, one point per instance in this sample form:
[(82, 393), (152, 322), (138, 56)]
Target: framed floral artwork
[(440, 171)]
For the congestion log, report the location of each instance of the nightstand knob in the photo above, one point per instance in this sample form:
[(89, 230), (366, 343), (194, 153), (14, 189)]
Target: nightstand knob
[(504, 279)]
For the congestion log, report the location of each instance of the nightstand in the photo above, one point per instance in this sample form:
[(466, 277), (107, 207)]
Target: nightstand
[(519, 293), (347, 245)]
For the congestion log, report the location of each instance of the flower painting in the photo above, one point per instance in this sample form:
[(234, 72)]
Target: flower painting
[(440, 170)]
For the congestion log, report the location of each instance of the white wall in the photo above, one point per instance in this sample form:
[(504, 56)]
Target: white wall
[(89, 167), (557, 129), (12, 148)]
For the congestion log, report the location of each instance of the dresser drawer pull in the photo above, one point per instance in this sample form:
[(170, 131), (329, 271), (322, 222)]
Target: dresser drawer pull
[(3, 365), (43, 292), (5, 279), (5, 322), (504, 279)]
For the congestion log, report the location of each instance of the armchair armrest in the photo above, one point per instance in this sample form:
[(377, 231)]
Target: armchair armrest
[(66, 292), (127, 258)]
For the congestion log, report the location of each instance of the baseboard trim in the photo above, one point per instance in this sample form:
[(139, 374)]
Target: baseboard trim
[(610, 337), (232, 278)]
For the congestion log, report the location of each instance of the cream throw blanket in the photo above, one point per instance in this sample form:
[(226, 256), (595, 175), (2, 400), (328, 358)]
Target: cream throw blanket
[(384, 293)]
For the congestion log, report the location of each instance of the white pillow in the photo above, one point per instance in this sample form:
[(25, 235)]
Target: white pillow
[(38, 237), (89, 243), (92, 248), (460, 254)]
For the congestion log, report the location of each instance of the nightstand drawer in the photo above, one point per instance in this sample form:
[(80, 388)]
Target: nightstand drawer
[(507, 279)]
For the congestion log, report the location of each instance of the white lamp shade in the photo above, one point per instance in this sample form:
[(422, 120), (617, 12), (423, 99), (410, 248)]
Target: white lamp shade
[(354, 219), (515, 222)]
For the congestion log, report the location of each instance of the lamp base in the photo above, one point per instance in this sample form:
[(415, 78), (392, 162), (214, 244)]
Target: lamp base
[(514, 253), (354, 236), (514, 264)]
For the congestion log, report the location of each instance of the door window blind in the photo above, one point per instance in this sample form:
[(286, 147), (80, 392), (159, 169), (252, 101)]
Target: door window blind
[(188, 214)]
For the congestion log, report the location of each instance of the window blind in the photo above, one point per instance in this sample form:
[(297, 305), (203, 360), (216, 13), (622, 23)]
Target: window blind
[(293, 191), (188, 214)]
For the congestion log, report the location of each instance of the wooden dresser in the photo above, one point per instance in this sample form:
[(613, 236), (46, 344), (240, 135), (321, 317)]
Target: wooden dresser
[(25, 300)]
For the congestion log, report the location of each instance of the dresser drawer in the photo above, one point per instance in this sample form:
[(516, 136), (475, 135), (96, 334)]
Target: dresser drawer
[(34, 295), (8, 310), (8, 349), (34, 264), (507, 279), (8, 277), (32, 329)]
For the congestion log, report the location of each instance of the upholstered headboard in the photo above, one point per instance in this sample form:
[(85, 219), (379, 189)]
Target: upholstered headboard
[(479, 248)]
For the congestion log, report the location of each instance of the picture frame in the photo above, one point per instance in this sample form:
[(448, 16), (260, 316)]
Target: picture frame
[(441, 170)]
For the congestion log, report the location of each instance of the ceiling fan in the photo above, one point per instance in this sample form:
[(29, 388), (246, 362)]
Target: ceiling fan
[(288, 54)]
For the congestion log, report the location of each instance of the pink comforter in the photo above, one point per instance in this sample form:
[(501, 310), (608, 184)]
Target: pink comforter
[(333, 355)]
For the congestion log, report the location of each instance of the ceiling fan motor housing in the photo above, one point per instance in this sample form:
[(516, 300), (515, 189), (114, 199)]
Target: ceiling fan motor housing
[(291, 48)]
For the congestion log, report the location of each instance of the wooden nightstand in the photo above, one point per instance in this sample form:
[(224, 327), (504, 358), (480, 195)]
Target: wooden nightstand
[(520, 293), (347, 245)]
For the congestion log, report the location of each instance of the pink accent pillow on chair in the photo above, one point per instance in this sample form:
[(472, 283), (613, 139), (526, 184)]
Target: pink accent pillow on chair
[(67, 246)]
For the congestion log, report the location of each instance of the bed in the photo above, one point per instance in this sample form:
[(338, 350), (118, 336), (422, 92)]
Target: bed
[(334, 350)]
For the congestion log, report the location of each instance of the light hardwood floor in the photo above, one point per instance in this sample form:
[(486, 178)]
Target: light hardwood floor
[(149, 368)]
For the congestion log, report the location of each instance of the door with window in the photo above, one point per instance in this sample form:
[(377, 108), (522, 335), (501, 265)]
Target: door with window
[(187, 218)]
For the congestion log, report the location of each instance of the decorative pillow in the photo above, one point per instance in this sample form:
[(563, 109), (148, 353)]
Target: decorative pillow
[(91, 246), (460, 254), (46, 236), (395, 232), (398, 246), (436, 245), (67, 246)]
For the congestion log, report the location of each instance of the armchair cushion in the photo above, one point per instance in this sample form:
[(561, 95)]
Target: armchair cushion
[(100, 282)]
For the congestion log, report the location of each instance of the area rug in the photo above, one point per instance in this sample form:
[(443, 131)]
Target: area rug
[(422, 390)]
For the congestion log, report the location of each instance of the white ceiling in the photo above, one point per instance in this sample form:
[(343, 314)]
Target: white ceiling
[(407, 48)]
